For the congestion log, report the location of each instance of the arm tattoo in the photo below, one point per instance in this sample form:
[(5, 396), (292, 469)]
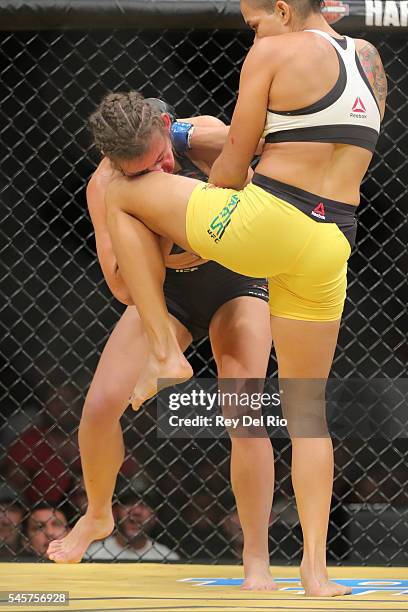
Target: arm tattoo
[(372, 66)]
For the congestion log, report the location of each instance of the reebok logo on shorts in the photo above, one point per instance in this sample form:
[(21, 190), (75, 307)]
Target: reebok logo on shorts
[(220, 223), (318, 212)]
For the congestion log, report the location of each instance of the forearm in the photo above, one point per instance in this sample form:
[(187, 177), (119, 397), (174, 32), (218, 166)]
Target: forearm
[(208, 138), (213, 138), (224, 174)]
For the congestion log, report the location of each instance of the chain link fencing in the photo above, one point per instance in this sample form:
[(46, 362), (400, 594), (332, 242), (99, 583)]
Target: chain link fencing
[(57, 312)]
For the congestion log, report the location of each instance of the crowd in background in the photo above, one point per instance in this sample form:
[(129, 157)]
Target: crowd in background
[(42, 494), (172, 501)]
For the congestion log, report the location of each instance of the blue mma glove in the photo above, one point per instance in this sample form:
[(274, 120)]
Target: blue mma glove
[(180, 134)]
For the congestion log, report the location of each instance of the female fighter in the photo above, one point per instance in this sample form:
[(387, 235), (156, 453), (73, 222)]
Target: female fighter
[(318, 100), (139, 136)]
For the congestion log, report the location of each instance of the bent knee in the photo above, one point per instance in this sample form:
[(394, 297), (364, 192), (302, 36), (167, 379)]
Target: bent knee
[(100, 408)]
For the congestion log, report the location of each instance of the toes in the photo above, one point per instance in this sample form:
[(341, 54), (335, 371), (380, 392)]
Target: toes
[(53, 548), (259, 587), (58, 557)]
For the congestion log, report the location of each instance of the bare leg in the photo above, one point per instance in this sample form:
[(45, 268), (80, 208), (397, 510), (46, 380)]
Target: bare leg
[(100, 434), (305, 350), (133, 207), (241, 341)]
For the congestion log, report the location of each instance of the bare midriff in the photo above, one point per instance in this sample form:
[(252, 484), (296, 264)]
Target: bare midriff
[(333, 171)]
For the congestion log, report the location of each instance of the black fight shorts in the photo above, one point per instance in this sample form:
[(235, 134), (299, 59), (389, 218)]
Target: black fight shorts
[(193, 295)]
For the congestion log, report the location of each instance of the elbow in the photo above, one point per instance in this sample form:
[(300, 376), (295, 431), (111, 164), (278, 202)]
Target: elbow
[(229, 180), (228, 175)]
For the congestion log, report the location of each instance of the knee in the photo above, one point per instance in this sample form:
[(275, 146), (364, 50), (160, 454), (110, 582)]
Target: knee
[(101, 409), (230, 365), (246, 446), (304, 407), (228, 369)]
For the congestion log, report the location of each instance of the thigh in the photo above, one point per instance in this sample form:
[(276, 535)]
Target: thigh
[(157, 199), (241, 338), (304, 350), (121, 361)]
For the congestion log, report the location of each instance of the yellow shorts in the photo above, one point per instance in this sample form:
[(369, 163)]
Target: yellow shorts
[(296, 245)]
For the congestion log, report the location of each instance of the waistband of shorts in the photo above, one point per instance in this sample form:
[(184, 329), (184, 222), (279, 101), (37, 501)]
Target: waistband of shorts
[(318, 207)]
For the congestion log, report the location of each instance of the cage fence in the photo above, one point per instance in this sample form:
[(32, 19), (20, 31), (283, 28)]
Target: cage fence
[(57, 312)]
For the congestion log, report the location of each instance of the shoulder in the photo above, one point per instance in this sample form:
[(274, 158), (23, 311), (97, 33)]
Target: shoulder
[(204, 121), (283, 45), (103, 548), (367, 52), (163, 550), (373, 67), (272, 52), (364, 44)]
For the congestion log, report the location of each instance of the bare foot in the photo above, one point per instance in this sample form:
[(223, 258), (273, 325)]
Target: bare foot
[(257, 575), (316, 585), (72, 548), (174, 369)]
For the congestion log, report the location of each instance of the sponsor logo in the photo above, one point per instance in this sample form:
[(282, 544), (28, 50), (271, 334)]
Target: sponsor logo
[(263, 287), (389, 13), (294, 587), (358, 110), (334, 10), (220, 223), (318, 211), (184, 270), (358, 106), (258, 294)]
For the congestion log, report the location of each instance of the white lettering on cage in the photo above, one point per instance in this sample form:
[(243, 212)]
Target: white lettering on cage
[(388, 13)]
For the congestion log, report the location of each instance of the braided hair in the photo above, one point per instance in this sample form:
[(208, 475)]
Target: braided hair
[(122, 125)]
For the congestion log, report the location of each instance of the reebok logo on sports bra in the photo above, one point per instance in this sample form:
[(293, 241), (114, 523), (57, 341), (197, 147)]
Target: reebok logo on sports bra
[(359, 110)]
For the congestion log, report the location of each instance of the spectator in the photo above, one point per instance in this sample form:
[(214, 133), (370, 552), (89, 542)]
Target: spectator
[(200, 533), (11, 518), (43, 525), (135, 520), (40, 461)]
